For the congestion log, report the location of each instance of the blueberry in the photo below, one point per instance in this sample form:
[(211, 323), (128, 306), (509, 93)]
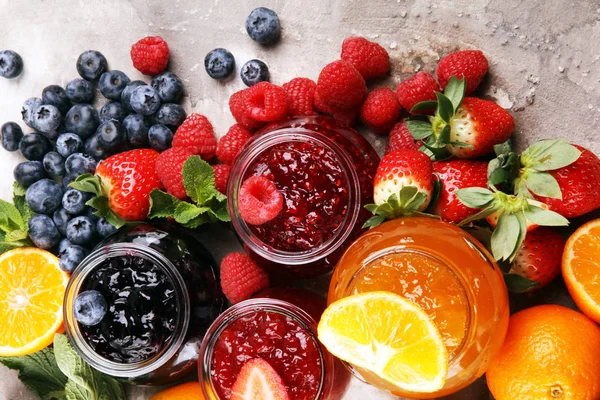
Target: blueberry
[(61, 217), (34, 146), (47, 118), (91, 214), (126, 94), (29, 172), (254, 71), (43, 232), (70, 257), (160, 137), (111, 136), (80, 230), (112, 83), (168, 86), (28, 110), (63, 244), (82, 119), (136, 129), (104, 228), (80, 164), (68, 143), (11, 136), (145, 100), (112, 110), (68, 178), (263, 25), (56, 96), (54, 164), (89, 307), (219, 63), (94, 149), (80, 91), (73, 201), (170, 114), (44, 196), (91, 64), (11, 64)]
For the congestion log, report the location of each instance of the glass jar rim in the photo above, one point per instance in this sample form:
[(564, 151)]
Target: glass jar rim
[(182, 321), (256, 146), (245, 308)]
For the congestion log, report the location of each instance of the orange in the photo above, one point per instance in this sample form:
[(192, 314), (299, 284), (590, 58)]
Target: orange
[(581, 268), (32, 288), (389, 336), (185, 391), (550, 353)]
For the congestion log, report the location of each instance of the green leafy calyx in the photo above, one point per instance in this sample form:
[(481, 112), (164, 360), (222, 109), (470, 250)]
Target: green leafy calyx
[(92, 184), (409, 201)]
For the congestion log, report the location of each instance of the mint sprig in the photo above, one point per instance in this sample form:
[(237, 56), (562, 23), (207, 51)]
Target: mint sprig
[(92, 184), (14, 220), (209, 205)]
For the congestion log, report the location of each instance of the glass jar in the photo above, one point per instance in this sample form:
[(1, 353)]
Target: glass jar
[(278, 332), (190, 276), (324, 171), (449, 274)]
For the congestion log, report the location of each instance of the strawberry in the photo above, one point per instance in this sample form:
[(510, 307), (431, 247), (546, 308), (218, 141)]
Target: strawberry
[(494, 217), (258, 380), (468, 64)]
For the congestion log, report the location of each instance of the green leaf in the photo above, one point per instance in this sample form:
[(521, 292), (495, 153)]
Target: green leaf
[(198, 179), (87, 183), (75, 392), (558, 156), (15, 236), (521, 236), (427, 105), (419, 129), (505, 236), (503, 148), (12, 217), (24, 210), (533, 152), (444, 136), (40, 373), (114, 219), (519, 284), (417, 202), (496, 174), (221, 213), (455, 91), (373, 221), (486, 212), (185, 212), (162, 205), (445, 108), (543, 184), (199, 220), (18, 189), (371, 207), (540, 216), (475, 197), (406, 194)]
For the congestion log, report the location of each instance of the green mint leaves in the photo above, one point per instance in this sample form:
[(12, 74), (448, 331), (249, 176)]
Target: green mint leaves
[(14, 219), (91, 184), (209, 205), (407, 202)]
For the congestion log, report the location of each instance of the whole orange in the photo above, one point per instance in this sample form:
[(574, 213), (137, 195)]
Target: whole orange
[(550, 353), (184, 391)]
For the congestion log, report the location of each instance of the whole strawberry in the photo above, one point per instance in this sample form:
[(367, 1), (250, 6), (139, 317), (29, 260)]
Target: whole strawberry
[(341, 86), (301, 96), (468, 64), (150, 55), (168, 167), (197, 134), (401, 138), (420, 87), (369, 58), (232, 142), (380, 110)]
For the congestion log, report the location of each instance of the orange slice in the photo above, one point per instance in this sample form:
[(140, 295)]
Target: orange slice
[(32, 288), (389, 336), (581, 268), (184, 391)]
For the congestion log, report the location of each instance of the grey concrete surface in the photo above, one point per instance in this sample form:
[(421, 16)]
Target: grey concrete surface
[(544, 58)]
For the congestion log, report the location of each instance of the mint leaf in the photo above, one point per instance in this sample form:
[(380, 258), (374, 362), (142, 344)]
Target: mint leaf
[(519, 284), (15, 236), (221, 212), (75, 392), (18, 189), (24, 210), (185, 212), (543, 184), (419, 129), (199, 180), (426, 105), (88, 183), (455, 91), (196, 222), (11, 217), (162, 205)]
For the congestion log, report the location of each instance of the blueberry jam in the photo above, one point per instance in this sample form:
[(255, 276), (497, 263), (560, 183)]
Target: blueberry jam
[(141, 310)]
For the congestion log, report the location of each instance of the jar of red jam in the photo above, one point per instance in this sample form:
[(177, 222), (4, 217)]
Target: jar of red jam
[(162, 292), (278, 332), (324, 171)]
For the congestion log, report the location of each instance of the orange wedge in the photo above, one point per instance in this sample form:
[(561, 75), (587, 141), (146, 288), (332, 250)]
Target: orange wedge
[(32, 288), (388, 336), (581, 268)]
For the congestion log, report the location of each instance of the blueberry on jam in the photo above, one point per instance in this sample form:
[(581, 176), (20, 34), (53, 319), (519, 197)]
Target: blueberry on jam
[(89, 308)]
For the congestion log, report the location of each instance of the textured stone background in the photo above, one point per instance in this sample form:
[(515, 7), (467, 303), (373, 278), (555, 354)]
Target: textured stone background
[(544, 58)]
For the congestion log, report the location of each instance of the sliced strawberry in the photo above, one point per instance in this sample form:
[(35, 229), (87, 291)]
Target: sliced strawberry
[(257, 380)]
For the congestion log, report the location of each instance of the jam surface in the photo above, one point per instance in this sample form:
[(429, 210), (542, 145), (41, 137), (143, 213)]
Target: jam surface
[(276, 338), (142, 310)]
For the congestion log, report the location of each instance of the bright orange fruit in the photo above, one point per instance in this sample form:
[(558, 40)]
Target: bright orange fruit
[(185, 391)]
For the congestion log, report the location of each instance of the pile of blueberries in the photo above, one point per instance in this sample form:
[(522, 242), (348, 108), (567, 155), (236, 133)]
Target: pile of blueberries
[(70, 137)]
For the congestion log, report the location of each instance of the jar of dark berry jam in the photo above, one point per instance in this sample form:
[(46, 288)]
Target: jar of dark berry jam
[(324, 171), (162, 292), (278, 332)]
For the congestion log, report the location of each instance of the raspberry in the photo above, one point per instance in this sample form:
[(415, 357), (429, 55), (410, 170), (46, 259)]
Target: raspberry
[(266, 102), (168, 167), (150, 55), (340, 85), (347, 116), (232, 142), (401, 138), (470, 64), (380, 111), (221, 177), (259, 201), (239, 110), (369, 58), (301, 96), (420, 87), (197, 134), (241, 277)]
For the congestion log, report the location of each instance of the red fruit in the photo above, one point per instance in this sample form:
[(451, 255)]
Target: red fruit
[(469, 64), (127, 179), (257, 380), (221, 177), (241, 277), (579, 183), (480, 123), (169, 165), (259, 201), (369, 58), (454, 175), (150, 55), (347, 116), (420, 87), (401, 138), (238, 106), (266, 102), (232, 142), (380, 111), (197, 134), (301, 96), (341, 86), (539, 257)]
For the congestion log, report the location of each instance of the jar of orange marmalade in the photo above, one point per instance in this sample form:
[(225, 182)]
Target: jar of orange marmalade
[(446, 272)]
